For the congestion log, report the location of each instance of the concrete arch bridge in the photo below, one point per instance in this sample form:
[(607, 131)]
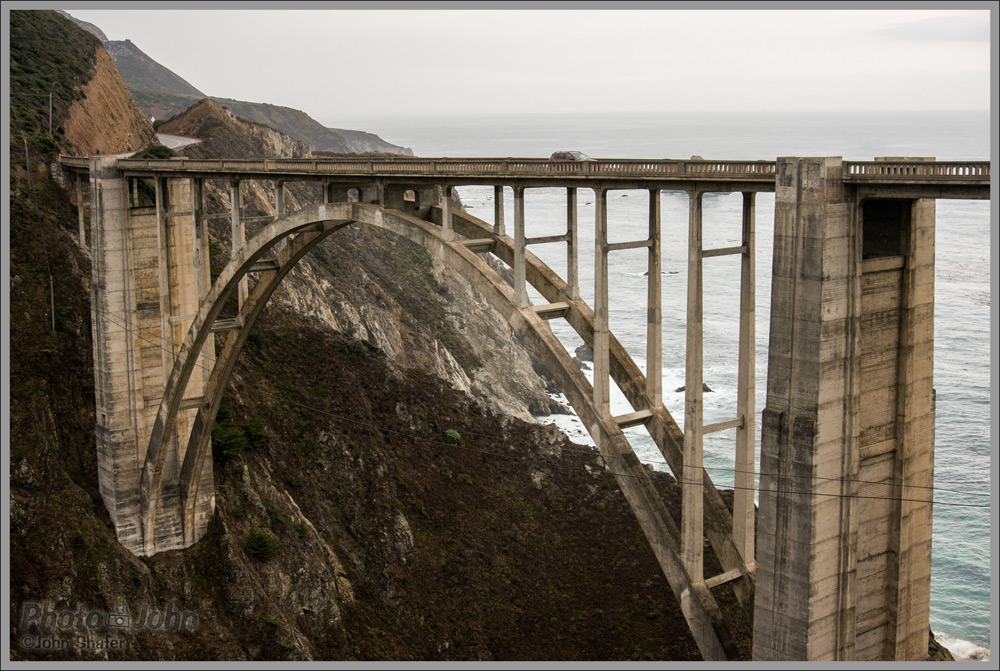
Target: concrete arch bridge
[(835, 575)]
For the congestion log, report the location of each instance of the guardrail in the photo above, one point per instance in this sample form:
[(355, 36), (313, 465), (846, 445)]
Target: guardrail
[(758, 171), (918, 171), (930, 172)]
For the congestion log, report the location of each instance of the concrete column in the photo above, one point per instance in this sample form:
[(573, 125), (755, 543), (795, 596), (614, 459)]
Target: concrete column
[(279, 199), (572, 246), (602, 332), (915, 438), (499, 228), (79, 209), (239, 235), (654, 313), (135, 192), (746, 433), (113, 316), (520, 288), (445, 200), (692, 522), (326, 193), (806, 602), (163, 233)]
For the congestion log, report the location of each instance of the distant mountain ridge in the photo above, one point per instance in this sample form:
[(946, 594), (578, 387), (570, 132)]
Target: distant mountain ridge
[(163, 94)]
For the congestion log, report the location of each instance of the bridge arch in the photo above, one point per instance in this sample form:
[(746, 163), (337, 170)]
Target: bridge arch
[(293, 237)]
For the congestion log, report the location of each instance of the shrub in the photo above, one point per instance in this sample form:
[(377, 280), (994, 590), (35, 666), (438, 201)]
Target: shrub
[(453, 436), (261, 545)]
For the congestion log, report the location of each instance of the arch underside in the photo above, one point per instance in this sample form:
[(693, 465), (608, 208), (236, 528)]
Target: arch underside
[(285, 241)]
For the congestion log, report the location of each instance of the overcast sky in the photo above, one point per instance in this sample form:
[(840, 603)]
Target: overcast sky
[(352, 63)]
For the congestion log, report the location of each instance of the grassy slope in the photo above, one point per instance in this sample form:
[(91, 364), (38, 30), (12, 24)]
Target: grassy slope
[(49, 54)]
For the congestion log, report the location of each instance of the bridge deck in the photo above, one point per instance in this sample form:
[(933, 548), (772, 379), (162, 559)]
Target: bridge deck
[(943, 179)]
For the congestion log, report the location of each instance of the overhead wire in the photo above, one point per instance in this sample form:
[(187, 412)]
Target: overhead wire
[(120, 321)]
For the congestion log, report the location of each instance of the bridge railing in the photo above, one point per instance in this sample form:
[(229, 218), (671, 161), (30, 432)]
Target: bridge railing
[(970, 172), (975, 171), (460, 167)]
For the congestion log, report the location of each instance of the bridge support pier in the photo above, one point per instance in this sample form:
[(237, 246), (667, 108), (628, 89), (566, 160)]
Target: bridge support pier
[(148, 281), (843, 560)]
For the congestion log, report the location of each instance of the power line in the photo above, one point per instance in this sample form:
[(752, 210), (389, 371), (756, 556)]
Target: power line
[(382, 429), (756, 473)]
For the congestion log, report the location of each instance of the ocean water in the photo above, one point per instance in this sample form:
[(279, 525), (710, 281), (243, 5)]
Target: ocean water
[(961, 565)]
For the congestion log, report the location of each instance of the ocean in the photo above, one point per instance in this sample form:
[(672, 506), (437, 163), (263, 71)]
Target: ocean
[(961, 563)]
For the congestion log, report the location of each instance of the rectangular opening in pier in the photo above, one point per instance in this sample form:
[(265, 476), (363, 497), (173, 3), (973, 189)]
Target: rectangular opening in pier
[(883, 224)]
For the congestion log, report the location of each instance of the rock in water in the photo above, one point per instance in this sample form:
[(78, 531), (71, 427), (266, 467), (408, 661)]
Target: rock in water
[(704, 387)]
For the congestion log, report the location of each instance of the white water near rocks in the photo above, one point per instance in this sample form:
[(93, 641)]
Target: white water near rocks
[(960, 583)]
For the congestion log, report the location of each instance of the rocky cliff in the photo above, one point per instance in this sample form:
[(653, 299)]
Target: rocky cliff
[(365, 509), (222, 135), (106, 120), (371, 285)]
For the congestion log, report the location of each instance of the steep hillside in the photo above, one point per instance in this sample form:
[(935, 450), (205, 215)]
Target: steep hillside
[(106, 120), (86, 25), (224, 136), (151, 84), (368, 283), (365, 510), (303, 127), (163, 94)]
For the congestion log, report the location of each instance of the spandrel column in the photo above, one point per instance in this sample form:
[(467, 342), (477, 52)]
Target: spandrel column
[(602, 339), (239, 236), (746, 433), (654, 310), (692, 532), (572, 246), (520, 288), (499, 227)]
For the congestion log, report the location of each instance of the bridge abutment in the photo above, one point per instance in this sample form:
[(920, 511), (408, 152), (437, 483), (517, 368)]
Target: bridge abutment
[(843, 554)]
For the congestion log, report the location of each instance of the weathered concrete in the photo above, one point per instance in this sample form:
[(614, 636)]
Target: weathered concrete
[(843, 556), (145, 290), (847, 459)]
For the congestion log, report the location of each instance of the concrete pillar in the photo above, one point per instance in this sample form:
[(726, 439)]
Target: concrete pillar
[(572, 246), (520, 288), (239, 235), (744, 488), (499, 228), (80, 211), (915, 436), (805, 603), (654, 314), (147, 283), (692, 522), (135, 192), (279, 199), (445, 201), (113, 323), (843, 556), (602, 332)]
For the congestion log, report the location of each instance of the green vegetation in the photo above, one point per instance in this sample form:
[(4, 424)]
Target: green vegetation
[(453, 436), (49, 54), (261, 545), (157, 151), (230, 440)]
